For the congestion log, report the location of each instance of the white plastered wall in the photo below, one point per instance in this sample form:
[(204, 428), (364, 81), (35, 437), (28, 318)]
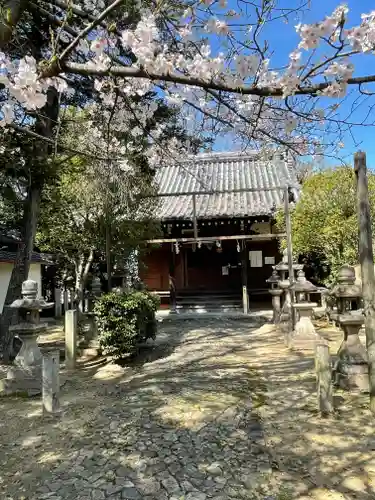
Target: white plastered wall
[(35, 274)]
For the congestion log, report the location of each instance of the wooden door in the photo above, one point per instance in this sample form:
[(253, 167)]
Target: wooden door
[(257, 276)]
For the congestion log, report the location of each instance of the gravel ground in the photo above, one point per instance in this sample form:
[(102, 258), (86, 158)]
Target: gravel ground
[(216, 409), (178, 423)]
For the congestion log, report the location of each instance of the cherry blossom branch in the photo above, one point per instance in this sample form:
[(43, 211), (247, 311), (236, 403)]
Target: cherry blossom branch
[(35, 135), (73, 32), (133, 72), (314, 69), (276, 140), (149, 134), (89, 28), (86, 15)]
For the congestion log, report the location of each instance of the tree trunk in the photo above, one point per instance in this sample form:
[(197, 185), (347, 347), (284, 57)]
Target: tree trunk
[(88, 266), (108, 255), (44, 126), (9, 316), (30, 223), (20, 271), (82, 271), (78, 288)]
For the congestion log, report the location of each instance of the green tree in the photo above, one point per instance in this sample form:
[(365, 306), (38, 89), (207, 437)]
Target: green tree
[(74, 218), (324, 220)]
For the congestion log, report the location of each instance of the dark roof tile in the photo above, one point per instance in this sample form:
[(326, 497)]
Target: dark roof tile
[(36, 257), (224, 171)]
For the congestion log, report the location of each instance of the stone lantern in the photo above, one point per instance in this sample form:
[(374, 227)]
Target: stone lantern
[(276, 293), (96, 287), (285, 284), (96, 291), (304, 335), (302, 288), (286, 310), (351, 369), (283, 267), (25, 375), (347, 293)]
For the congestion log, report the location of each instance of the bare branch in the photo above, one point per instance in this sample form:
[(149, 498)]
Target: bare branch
[(364, 91), (10, 15), (53, 19), (89, 28)]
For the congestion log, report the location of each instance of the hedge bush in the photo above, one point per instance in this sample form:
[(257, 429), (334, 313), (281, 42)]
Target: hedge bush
[(124, 320)]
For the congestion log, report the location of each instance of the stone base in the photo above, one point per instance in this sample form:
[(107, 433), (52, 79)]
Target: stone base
[(285, 321), (23, 382), (353, 378), (319, 313), (304, 343), (23, 387), (351, 370), (26, 387), (304, 336)]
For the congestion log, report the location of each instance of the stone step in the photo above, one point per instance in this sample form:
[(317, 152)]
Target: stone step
[(203, 308), (208, 301)]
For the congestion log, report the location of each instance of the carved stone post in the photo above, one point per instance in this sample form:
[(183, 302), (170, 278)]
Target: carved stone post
[(66, 300), (70, 339), (51, 381), (323, 378), (58, 309)]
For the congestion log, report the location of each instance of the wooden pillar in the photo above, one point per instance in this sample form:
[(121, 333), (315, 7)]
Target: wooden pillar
[(288, 224), (366, 259), (195, 225), (245, 295), (172, 280), (185, 264)]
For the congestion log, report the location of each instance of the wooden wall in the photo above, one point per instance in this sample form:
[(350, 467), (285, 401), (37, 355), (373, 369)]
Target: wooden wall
[(202, 269), (155, 269)]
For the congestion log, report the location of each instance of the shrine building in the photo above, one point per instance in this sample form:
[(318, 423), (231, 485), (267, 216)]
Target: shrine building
[(219, 241)]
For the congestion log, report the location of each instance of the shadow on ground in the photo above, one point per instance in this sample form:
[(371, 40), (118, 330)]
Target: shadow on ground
[(188, 419), (313, 457), (178, 421)]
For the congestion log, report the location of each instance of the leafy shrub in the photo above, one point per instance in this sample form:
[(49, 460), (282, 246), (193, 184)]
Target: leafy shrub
[(124, 320)]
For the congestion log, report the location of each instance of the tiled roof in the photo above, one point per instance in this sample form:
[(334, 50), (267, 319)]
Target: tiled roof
[(36, 257), (219, 172), (8, 237)]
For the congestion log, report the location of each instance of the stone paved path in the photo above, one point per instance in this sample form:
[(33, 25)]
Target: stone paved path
[(179, 424)]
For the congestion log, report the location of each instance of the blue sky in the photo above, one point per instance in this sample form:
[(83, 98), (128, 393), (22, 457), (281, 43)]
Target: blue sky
[(284, 39)]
